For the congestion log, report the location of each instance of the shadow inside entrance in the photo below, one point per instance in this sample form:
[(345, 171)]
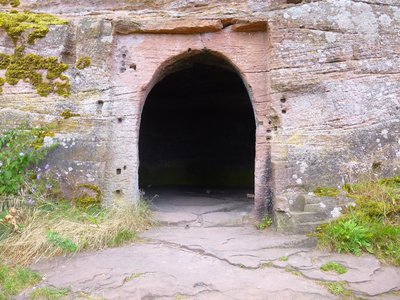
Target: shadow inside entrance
[(198, 129)]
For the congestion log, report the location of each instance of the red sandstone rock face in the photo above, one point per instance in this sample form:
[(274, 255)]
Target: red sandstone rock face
[(322, 75)]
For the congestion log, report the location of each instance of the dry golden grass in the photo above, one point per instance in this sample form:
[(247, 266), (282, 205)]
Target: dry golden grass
[(56, 229)]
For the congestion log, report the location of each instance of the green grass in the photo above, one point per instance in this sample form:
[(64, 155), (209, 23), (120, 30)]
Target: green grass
[(337, 288), (122, 237), (58, 228), (49, 293), (334, 266), (15, 280), (372, 225)]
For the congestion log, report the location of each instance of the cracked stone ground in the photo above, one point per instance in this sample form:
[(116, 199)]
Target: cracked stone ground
[(206, 248)]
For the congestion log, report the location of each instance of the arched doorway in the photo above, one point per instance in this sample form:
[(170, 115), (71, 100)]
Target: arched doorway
[(198, 128)]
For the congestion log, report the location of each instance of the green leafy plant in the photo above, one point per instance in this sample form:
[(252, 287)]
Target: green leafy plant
[(64, 243), (334, 266), (20, 150), (264, 223)]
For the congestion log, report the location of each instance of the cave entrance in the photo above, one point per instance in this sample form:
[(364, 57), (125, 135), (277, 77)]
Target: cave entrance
[(198, 129)]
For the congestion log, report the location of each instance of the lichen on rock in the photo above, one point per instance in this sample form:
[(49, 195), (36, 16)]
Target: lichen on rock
[(15, 23), (13, 3), (44, 73), (83, 63)]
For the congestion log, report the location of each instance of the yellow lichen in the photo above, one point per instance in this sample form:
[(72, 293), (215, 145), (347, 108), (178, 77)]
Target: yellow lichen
[(13, 3), (44, 73), (16, 23), (83, 63), (86, 199), (66, 114)]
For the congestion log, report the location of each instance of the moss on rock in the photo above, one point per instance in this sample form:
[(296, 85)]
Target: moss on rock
[(326, 192)]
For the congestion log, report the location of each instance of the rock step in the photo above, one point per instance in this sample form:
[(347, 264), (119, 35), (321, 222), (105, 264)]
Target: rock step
[(309, 227), (312, 199), (319, 207), (307, 217)]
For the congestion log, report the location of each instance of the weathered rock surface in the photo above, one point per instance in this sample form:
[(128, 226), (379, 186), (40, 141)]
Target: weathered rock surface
[(223, 262), (323, 77)]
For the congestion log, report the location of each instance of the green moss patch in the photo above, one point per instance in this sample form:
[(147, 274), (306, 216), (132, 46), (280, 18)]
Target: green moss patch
[(335, 267), (16, 23), (326, 192)]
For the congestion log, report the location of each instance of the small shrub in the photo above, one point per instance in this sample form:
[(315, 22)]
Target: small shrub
[(264, 223), (334, 266), (49, 293)]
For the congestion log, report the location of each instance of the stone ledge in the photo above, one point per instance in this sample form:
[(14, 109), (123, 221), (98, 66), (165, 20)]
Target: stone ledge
[(167, 26)]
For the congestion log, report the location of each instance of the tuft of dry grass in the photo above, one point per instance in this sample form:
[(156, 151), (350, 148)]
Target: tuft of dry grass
[(54, 229)]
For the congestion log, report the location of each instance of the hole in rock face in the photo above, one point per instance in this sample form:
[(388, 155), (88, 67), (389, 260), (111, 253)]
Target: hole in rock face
[(284, 111), (119, 171), (198, 128), (132, 66), (120, 120)]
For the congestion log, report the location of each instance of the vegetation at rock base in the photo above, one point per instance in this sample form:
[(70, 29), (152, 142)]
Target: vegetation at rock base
[(20, 149), (372, 225), (56, 228), (36, 222), (264, 223)]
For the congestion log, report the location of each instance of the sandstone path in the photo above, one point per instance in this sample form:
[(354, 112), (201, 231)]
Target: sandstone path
[(206, 248)]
